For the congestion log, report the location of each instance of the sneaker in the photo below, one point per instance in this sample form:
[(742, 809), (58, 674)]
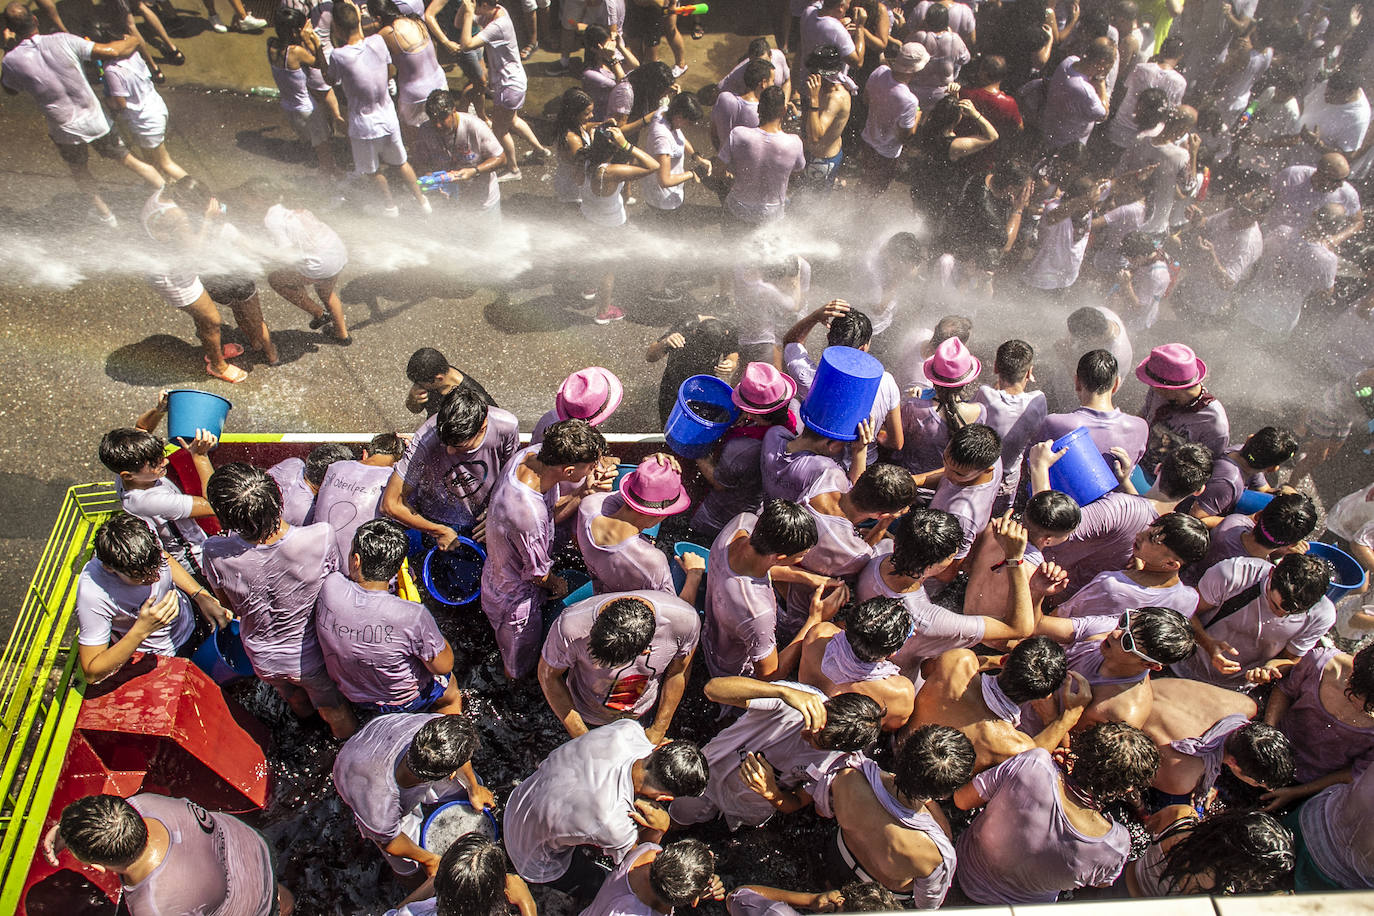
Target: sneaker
[(631, 201), (391, 212), (216, 24), (667, 294), (251, 23), (560, 68), (611, 314), (107, 218), (536, 156), (589, 294), (425, 207), (678, 71), (509, 176)]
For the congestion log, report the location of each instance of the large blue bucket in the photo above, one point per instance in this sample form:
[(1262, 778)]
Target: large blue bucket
[(1252, 501), (842, 393), (189, 410), (620, 471), (1082, 473), (454, 576), (436, 839), (222, 656), (703, 412), (1348, 574)]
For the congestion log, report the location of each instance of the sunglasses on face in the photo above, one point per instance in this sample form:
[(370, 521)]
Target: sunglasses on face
[(1128, 640)]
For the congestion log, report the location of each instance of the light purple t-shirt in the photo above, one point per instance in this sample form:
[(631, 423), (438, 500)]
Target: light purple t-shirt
[(1104, 539), (745, 902), (937, 629), (360, 70), (1225, 488), (350, 494), (49, 67), (762, 163), (215, 863), (297, 499), (1107, 428), (1292, 270), (107, 608), (616, 897), (1322, 743), (892, 107), (503, 54), (1208, 426), (741, 611), (598, 82), (734, 80), (520, 535), (787, 475), (1258, 635), (1113, 593), (817, 30), (634, 563), (1072, 107), (925, 434), (375, 644), (602, 694), (961, 18), (272, 589), (1295, 200), (581, 795), (453, 489), (731, 111), (1023, 849), (365, 776), (1017, 418), (1338, 829), (740, 481), (167, 511), (971, 505), (1225, 542)]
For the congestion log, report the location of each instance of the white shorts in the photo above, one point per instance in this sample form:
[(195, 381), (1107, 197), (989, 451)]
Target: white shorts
[(177, 290), (368, 154), (511, 98), (312, 128), (148, 136), (530, 5)]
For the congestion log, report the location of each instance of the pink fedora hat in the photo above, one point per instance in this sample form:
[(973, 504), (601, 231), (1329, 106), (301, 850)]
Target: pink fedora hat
[(654, 488), (763, 389), (590, 394), (1171, 366), (952, 366)]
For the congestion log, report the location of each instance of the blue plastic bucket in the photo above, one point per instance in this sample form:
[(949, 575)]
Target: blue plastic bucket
[(222, 656), (1348, 574), (490, 827), (1251, 501), (703, 412), (454, 577), (1139, 480), (682, 548), (620, 471), (842, 393), (1082, 473), (579, 586), (189, 410)]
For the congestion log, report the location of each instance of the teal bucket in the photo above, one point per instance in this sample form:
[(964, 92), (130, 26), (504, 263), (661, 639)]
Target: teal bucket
[(703, 412), (579, 586), (222, 656), (682, 548), (1347, 574), (1082, 473), (454, 576), (842, 393), (1252, 501), (189, 410)]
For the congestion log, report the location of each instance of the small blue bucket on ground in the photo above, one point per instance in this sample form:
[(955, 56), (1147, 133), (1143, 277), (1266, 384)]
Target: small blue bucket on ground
[(222, 656), (189, 410), (1347, 575), (620, 471), (453, 820), (579, 586), (1252, 501), (454, 577), (1082, 473), (842, 393), (680, 549), (703, 412)]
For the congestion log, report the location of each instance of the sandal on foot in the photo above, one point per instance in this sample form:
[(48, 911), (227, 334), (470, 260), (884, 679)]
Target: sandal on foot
[(320, 321), (340, 341), (231, 374), (528, 51), (176, 57), (230, 350), (158, 76), (698, 31)]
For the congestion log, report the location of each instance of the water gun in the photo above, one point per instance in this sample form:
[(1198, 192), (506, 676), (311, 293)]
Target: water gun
[(692, 9), (434, 181)]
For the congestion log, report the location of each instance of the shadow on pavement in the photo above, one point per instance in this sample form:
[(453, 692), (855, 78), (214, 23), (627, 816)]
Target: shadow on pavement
[(540, 314), (283, 148)]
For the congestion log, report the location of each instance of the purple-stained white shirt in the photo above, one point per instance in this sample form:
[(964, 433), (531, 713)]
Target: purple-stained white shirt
[(1105, 538), (167, 511), (1225, 542), (1072, 107), (617, 897), (350, 494), (107, 608), (1338, 830), (1225, 488), (503, 54), (634, 563), (360, 69), (741, 485), (971, 505), (1113, 592), (520, 534), (1322, 743), (734, 80), (1107, 428), (49, 67), (297, 499), (937, 629), (1208, 426), (731, 111), (453, 489), (741, 610), (892, 108), (1017, 419), (817, 30), (787, 475), (762, 163)]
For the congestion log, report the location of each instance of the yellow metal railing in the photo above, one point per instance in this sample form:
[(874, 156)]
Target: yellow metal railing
[(40, 693)]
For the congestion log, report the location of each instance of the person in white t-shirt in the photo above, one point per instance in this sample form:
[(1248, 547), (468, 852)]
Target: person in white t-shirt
[(893, 113), (130, 93), (463, 147), (762, 161), (507, 75)]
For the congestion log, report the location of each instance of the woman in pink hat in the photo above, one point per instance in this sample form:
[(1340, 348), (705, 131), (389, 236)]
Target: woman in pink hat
[(1179, 408), (928, 421), (766, 398), (590, 394), (610, 531)]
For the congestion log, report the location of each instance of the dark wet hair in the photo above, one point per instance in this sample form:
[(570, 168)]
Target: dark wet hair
[(852, 722), (923, 538), (288, 23), (1269, 447), (1361, 685), (759, 48), (1185, 470), (426, 363), (1300, 580), (852, 329), (571, 104), (381, 545), (1152, 108), (461, 415), (386, 444), (710, 340), (936, 18), (128, 450), (1243, 852), (1262, 753), (784, 528), (868, 897), (1171, 47), (593, 37), (877, 627), (947, 401), (1343, 81), (572, 441), (438, 106), (1138, 245), (245, 500), (650, 81), (1053, 511), (622, 630), (441, 746), (1033, 670), (903, 247), (757, 74), (103, 830), (989, 68), (1185, 536), (1163, 634), (883, 488), (974, 446), (1287, 519), (951, 326), (825, 59), (682, 872), (1097, 371), (189, 193), (685, 105), (934, 762), (346, 19), (471, 880), (772, 104), (678, 768), (1014, 360), (127, 545), (1089, 323), (1112, 759), (321, 457)]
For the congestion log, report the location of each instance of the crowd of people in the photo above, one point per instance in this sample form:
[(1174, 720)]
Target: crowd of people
[(998, 695)]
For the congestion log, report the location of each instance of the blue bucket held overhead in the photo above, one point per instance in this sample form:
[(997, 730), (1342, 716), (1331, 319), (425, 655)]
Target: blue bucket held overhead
[(1347, 574), (189, 410), (703, 412), (221, 656), (1252, 501), (1082, 473), (454, 576), (842, 393)]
